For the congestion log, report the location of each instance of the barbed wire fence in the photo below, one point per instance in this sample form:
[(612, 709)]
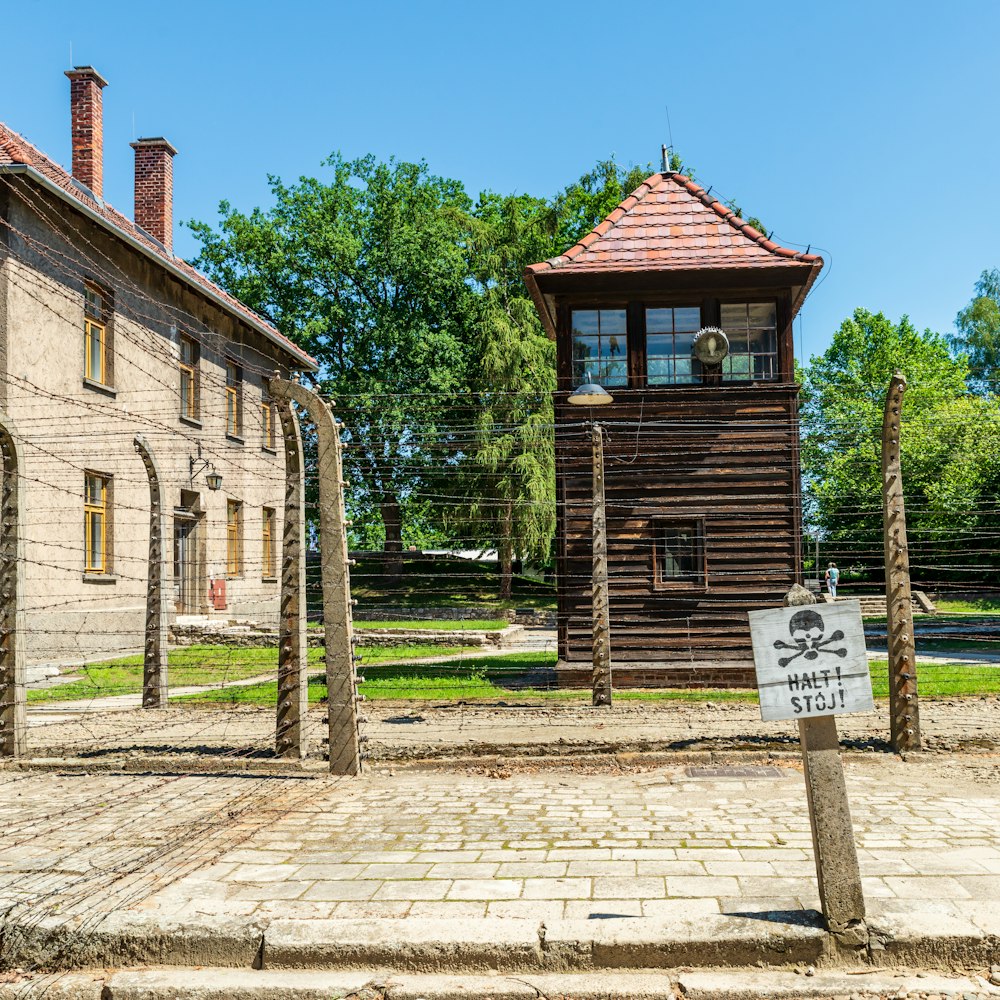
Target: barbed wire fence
[(436, 697), (226, 692)]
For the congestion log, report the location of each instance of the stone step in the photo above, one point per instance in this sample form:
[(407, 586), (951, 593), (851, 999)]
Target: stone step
[(616, 984), (872, 605)]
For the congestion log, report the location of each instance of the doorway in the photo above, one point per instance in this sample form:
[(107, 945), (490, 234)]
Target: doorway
[(189, 558)]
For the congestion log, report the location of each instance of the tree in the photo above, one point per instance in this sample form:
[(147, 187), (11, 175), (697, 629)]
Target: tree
[(507, 476), (978, 327), (367, 272), (950, 443), (587, 201)]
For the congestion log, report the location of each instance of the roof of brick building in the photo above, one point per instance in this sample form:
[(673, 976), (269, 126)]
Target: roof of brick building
[(669, 223), (16, 151)]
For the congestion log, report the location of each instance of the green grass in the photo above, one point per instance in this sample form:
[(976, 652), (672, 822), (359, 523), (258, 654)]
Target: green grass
[(979, 606), (190, 666), (503, 678), (957, 645)]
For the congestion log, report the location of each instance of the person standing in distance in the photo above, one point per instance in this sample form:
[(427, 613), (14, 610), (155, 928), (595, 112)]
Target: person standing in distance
[(832, 579)]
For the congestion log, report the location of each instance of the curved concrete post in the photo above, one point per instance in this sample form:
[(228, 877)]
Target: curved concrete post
[(293, 692), (154, 659), (904, 712), (342, 716), (13, 699)]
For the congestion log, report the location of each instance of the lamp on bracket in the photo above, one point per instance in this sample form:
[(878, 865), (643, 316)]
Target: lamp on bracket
[(589, 394), (213, 479)]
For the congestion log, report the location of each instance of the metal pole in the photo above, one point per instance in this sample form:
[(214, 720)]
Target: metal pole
[(154, 661), (293, 649), (904, 711), (599, 580), (342, 716), (13, 697)]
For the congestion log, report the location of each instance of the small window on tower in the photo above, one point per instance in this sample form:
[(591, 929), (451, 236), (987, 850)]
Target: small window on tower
[(752, 330), (669, 345), (679, 553), (600, 346)]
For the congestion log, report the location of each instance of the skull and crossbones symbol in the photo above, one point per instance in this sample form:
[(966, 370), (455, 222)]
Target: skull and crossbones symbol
[(807, 629)]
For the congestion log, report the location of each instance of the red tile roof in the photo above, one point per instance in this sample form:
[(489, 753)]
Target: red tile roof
[(16, 150), (669, 223)]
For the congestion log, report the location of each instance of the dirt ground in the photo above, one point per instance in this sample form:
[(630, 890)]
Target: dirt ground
[(418, 731)]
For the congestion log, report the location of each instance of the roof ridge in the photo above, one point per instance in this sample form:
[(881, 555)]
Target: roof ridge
[(668, 223), (686, 183), (737, 222)]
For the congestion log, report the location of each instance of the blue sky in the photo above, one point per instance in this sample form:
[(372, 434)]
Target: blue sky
[(865, 129)]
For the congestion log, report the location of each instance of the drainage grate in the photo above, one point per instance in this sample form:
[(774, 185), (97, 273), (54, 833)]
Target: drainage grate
[(734, 772)]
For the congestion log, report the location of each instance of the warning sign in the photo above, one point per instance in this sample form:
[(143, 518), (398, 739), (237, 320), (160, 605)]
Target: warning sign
[(811, 661)]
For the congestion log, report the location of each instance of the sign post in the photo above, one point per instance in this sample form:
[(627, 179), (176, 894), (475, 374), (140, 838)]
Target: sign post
[(812, 666)]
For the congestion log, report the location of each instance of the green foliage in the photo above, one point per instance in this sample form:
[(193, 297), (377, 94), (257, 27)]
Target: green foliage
[(413, 302), (506, 479), (368, 272), (978, 326), (587, 201), (950, 446)]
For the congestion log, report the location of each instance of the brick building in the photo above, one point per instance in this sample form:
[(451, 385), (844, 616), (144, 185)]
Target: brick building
[(105, 333)]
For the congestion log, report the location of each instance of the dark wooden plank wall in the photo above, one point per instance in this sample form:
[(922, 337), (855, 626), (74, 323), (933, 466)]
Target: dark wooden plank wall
[(729, 455)]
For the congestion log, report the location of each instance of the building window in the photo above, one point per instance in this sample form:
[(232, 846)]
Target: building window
[(188, 370), (234, 399), (669, 345), (234, 538), (98, 363), (266, 420), (267, 539), (96, 523), (753, 341), (679, 553), (600, 346)]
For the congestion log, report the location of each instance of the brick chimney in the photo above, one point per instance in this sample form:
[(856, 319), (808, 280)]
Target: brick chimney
[(87, 126), (154, 188)]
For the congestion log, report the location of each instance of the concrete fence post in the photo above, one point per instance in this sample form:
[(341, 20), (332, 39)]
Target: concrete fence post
[(600, 605), (904, 712), (154, 659), (13, 698), (838, 874), (293, 651), (342, 715)]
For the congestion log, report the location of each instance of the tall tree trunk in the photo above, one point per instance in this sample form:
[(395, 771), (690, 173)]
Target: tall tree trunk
[(506, 554), (392, 520)]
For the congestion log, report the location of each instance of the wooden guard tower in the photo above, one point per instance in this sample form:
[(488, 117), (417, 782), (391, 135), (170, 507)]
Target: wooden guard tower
[(701, 443)]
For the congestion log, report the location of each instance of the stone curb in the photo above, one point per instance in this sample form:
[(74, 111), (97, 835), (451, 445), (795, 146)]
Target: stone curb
[(508, 945), (127, 940), (122, 940)]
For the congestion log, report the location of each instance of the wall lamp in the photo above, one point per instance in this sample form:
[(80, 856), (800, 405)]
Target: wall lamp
[(195, 465)]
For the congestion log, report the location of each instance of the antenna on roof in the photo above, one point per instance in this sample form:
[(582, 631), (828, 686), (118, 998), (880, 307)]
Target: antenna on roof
[(665, 159)]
